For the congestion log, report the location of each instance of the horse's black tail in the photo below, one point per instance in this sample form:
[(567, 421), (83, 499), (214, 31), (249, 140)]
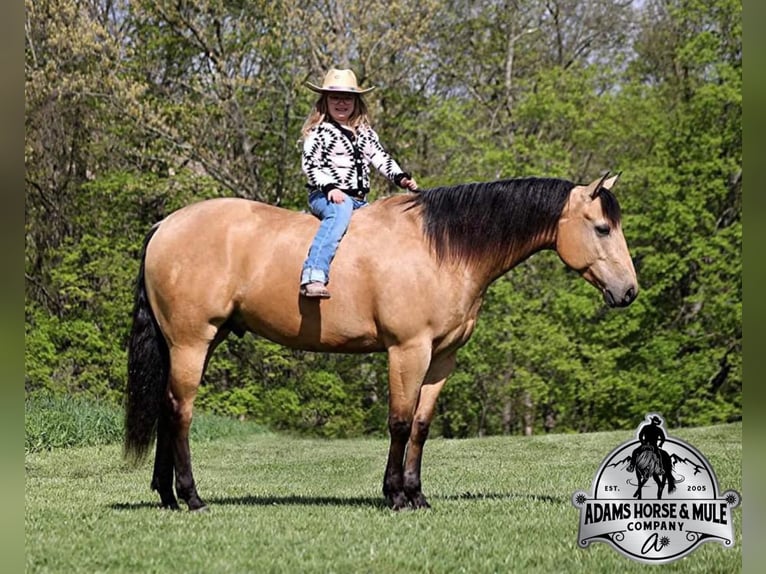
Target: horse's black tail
[(148, 365)]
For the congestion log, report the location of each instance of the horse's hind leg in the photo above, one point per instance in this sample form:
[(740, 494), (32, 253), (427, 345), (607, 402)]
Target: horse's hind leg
[(660, 485), (162, 479), (186, 366)]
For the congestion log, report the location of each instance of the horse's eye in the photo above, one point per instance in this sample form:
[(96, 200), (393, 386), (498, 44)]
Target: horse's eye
[(602, 230)]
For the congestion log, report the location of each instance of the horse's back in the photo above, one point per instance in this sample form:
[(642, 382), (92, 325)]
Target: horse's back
[(229, 240), (239, 261), (206, 220)]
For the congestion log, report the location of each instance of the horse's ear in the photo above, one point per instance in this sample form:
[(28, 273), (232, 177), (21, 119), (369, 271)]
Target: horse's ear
[(609, 183), (605, 182), (595, 186)]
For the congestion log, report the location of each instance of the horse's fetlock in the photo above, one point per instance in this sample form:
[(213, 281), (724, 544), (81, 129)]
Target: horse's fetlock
[(411, 483), (392, 484)]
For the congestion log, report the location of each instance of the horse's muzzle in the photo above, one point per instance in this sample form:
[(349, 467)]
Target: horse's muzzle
[(620, 300)]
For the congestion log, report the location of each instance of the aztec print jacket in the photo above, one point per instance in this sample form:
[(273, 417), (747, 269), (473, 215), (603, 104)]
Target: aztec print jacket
[(334, 158)]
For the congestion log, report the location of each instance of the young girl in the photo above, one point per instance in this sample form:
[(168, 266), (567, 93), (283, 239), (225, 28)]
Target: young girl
[(338, 147)]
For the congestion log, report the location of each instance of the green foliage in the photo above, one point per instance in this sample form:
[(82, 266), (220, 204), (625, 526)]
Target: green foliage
[(54, 421), (76, 342), (135, 112), (273, 386), (59, 421)]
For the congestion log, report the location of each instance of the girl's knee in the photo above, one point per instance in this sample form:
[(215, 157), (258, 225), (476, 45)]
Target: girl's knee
[(347, 206), (342, 210)]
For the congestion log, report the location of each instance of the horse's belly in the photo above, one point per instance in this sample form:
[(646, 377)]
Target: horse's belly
[(312, 326)]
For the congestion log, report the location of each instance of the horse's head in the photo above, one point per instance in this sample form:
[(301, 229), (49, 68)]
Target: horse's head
[(590, 240)]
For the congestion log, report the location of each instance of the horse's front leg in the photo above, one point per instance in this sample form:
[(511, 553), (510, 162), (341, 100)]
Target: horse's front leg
[(407, 367), (418, 435), (641, 482), (424, 414)]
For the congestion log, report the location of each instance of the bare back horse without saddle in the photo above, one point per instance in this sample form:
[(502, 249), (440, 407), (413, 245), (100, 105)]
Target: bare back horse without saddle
[(414, 269)]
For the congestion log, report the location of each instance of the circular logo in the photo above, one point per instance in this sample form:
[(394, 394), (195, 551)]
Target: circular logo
[(655, 499)]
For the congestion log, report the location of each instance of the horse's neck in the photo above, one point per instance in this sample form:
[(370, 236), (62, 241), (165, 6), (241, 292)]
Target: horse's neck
[(497, 264)]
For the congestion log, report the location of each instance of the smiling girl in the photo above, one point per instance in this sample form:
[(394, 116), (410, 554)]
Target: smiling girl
[(338, 147)]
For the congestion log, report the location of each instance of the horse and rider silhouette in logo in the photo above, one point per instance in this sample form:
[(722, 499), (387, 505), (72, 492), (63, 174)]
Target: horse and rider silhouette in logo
[(650, 461)]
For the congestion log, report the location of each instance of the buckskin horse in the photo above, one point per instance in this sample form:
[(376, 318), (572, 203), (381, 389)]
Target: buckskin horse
[(410, 277)]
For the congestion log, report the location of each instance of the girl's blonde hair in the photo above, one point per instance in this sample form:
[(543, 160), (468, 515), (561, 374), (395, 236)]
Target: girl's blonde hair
[(359, 117)]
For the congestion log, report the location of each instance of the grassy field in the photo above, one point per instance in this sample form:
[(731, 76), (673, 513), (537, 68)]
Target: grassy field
[(283, 504)]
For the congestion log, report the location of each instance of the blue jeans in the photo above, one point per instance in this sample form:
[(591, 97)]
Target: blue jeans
[(335, 218)]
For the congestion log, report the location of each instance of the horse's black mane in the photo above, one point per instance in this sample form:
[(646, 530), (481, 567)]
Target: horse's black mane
[(475, 220)]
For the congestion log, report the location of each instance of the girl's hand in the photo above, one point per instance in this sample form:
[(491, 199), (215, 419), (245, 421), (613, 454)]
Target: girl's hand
[(336, 196), (410, 184)]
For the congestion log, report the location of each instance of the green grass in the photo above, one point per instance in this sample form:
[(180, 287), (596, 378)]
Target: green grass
[(60, 421), (283, 504)]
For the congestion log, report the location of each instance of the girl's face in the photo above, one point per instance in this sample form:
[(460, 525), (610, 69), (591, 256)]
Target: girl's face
[(341, 106)]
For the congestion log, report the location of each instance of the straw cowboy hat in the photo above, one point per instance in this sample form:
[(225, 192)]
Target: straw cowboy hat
[(339, 81)]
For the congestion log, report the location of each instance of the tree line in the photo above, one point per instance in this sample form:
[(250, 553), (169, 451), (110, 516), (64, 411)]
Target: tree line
[(135, 108)]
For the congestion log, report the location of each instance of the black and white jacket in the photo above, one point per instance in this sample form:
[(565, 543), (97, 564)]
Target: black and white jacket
[(334, 158)]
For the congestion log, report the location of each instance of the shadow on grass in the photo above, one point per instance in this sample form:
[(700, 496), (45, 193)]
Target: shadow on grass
[(503, 496), (269, 501), (360, 501)]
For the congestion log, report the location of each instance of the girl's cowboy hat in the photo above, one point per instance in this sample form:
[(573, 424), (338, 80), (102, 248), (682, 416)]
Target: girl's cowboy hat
[(339, 81)]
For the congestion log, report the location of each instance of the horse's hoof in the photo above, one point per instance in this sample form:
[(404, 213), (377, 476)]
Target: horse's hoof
[(418, 500), (397, 501), (196, 505), (204, 508), (170, 505)]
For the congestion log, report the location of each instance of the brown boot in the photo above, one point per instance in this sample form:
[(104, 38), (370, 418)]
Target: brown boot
[(315, 290)]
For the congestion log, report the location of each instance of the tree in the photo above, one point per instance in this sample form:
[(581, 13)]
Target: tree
[(134, 109)]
